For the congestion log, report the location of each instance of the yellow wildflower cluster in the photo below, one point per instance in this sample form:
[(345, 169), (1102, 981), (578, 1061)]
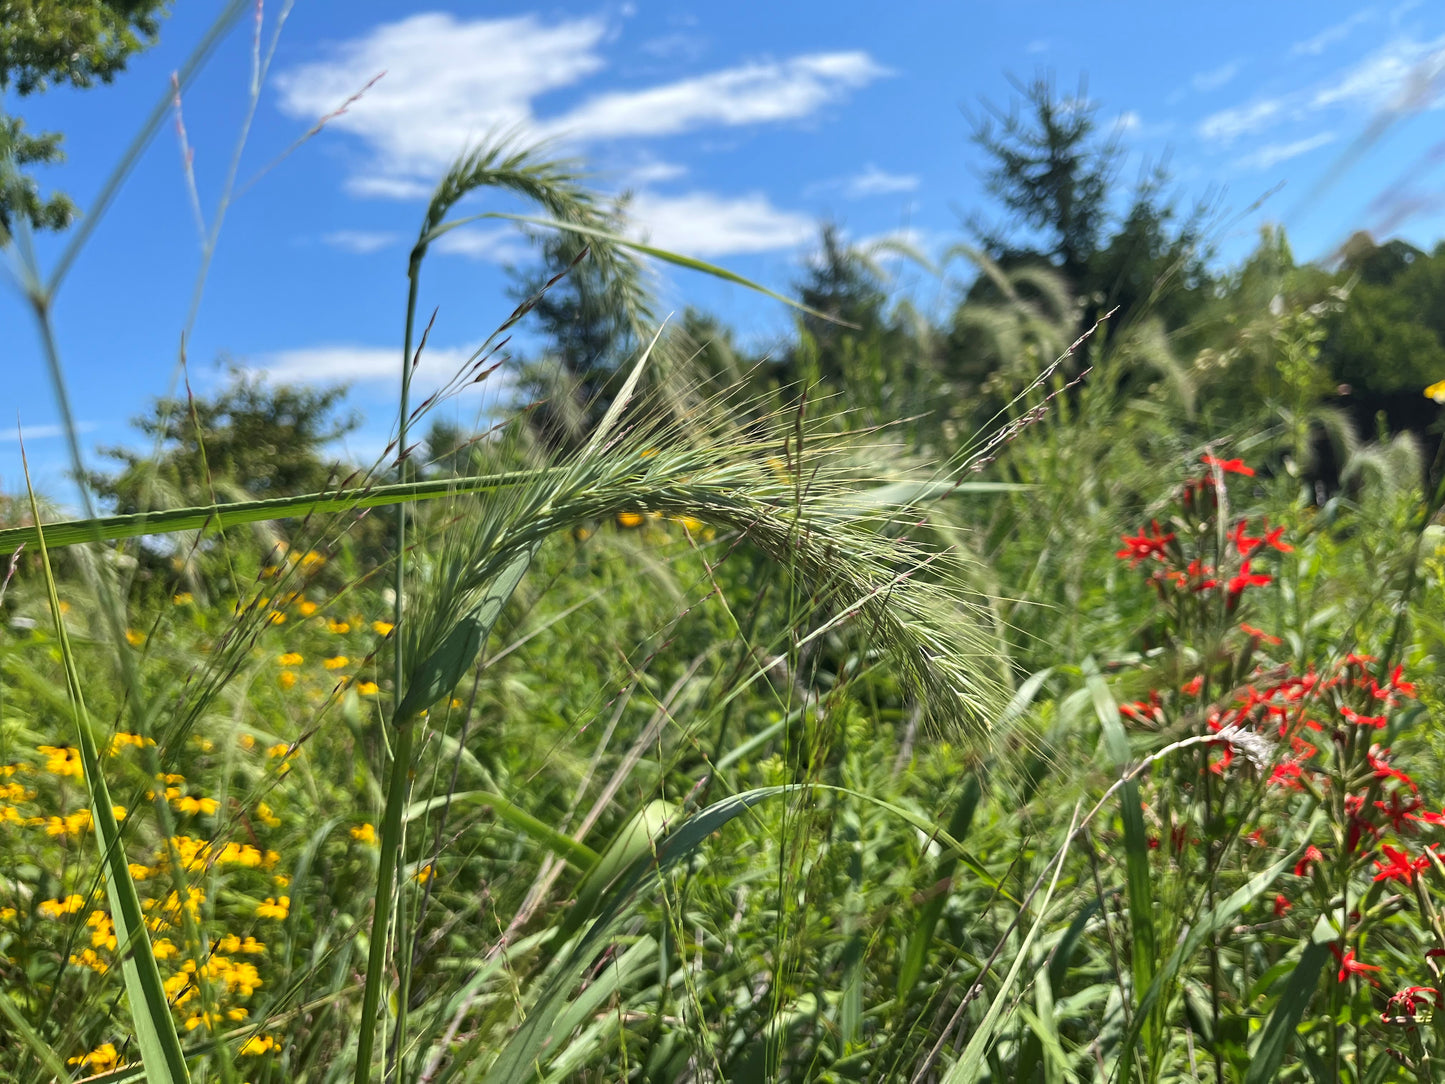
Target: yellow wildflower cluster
[(62, 760)]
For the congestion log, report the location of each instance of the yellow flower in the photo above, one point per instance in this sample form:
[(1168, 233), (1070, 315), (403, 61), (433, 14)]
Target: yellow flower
[(185, 598), (90, 958), (367, 688), (122, 740), (139, 872), (68, 906), (581, 534), (312, 561), (247, 742), (188, 804), (10, 815), (291, 658), (689, 524), (119, 812), (258, 1044), (382, 628), (266, 817), (277, 908), (6, 914), (338, 627), (280, 749), (456, 702), (281, 880), (307, 608), (1436, 391), (423, 875), (71, 825), (103, 935), (286, 678), (629, 519), (366, 833), (232, 944), (135, 639), (336, 662), (102, 1059), (62, 760), (276, 617)]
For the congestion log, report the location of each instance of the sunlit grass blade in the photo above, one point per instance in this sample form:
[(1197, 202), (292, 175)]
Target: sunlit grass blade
[(219, 516), (155, 1029)]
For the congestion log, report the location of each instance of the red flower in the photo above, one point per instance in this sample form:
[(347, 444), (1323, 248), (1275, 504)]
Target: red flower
[(1383, 770), (1281, 905), (1376, 721), (1351, 966), (1398, 812), (1228, 466), (1144, 546), (1410, 999), (1404, 688), (1247, 579), (1243, 542), (1400, 867), (1259, 634), (1193, 685), (1287, 774), (1274, 539), (1312, 854)]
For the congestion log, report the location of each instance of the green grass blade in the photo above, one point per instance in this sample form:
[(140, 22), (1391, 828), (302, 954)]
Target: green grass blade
[(1284, 1019), (113, 528), (968, 1068), (155, 1029), (562, 845)]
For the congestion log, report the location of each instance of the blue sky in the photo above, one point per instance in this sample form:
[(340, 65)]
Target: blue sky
[(737, 128)]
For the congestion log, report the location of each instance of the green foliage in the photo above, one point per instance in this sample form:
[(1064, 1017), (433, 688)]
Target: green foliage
[(43, 43)]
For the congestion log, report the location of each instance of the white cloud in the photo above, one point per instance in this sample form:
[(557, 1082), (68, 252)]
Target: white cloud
[(1038, 45), (704, 224), (1404, 74), (374, 186), (355, 364), (1227, 125), (500, 244), (1273, 154), (361, 242), (677, 46), (451, 81), (1129, 121), (750, 94), (41, 432), (651, 172), (1331, 35), (877, 182), (1215, 77), (448, 82)]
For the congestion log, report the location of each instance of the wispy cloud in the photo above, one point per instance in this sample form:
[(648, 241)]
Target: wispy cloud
[(451, 81), (749, 94), (1405, 74), (652, 171), (706, 224), (1273, 154), (499, 245), (361, 242), (1227, 125), (353, 364), (877, 182), (42, 432), (1215, 77), (448, 81), (1038, 45), (871, 181), (1402, 74), (1331, 35)]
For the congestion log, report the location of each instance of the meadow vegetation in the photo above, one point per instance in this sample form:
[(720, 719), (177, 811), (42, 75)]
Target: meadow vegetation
[(1033, 683)]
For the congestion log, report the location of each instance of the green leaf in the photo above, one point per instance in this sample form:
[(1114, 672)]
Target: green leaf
[(1284, 1018), (438, 674)]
